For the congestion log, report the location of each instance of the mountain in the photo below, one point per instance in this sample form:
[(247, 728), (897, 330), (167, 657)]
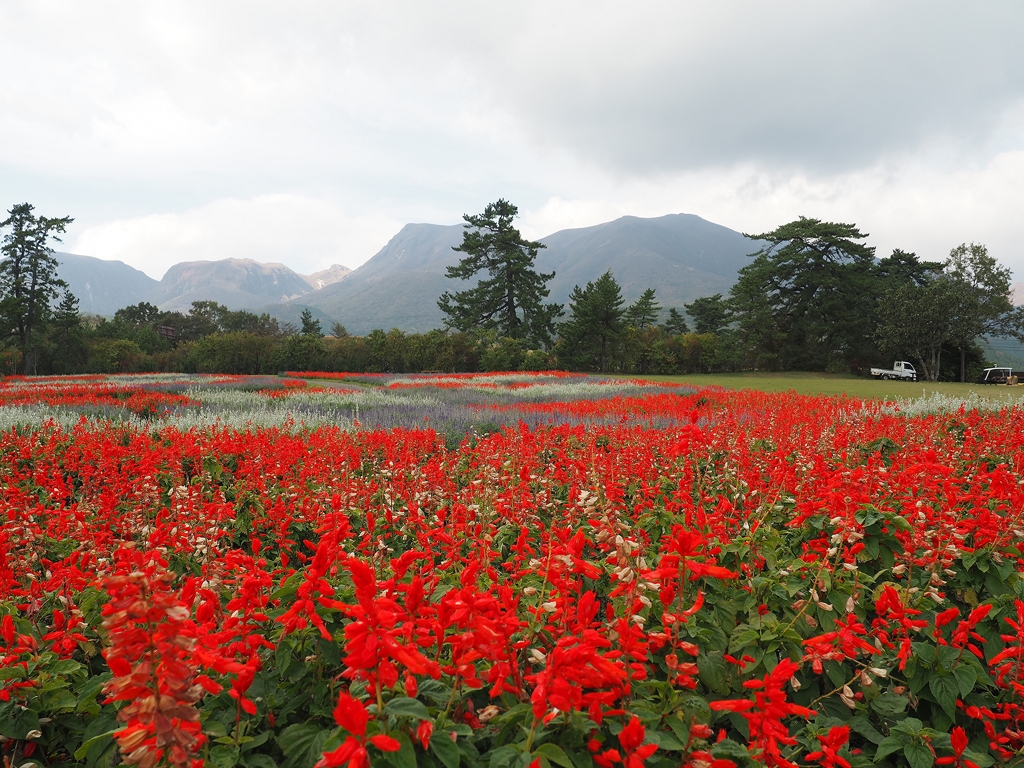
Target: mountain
[(333, 274), (397, 288), (102, 286), (681, 256), (236, 283)]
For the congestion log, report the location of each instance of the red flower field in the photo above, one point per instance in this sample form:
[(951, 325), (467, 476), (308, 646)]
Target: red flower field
[(702, 579)]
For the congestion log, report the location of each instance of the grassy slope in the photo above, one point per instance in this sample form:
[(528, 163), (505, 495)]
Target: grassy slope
[(838, 384)]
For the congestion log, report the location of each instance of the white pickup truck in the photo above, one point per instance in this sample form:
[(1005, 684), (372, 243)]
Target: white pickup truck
[(901, 369)]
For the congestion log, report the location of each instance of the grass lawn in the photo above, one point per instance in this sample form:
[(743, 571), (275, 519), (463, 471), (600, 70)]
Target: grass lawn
[(838, 384)]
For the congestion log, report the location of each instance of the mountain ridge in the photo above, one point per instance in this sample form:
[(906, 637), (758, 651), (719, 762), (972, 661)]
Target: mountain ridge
[(103, 286), (681, 256)]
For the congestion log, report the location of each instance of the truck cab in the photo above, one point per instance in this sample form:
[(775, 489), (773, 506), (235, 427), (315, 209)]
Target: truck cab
[(995, 376), (901, 370)]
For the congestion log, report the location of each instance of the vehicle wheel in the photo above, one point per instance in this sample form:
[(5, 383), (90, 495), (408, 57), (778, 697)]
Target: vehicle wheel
[(885, 377)]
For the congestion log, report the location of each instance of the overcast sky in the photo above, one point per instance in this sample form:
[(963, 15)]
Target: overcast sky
[(310, 132)]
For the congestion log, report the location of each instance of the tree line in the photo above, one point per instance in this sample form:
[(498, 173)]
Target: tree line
[(814, 297)]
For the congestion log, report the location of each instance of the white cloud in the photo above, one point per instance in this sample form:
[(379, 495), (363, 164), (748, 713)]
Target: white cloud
[(303, 233), (910, 205), (309, 132)]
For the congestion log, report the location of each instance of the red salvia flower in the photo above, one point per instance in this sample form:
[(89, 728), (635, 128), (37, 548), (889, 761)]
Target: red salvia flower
[(351, 715), (765, 713)]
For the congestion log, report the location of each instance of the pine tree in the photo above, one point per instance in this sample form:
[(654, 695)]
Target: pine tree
[(510, 299), (821, 285), (592, 333), (68, 336), (709, 313), (644, 312), (28, 276), (310, 325), (676, 323)]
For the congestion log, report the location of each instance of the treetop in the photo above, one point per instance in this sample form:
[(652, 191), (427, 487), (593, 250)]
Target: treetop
[(834, 241)]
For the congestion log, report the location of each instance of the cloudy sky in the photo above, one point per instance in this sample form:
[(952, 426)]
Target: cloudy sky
[(309, 132)]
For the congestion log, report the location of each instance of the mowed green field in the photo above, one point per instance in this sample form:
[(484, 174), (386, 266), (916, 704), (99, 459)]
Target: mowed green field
[(840, 384)]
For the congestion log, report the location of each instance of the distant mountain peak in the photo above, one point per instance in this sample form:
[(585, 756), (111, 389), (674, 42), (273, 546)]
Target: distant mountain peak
[(236, 283), (333, 274), (104, 286)]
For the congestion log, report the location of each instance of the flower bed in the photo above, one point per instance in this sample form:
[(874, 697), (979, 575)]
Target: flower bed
[(680, 578)]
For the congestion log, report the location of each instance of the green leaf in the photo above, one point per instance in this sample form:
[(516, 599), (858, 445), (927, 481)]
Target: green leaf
[(902, 523), (890, 744), (403, 706), (729, 749), (980, 759), (966, 676), (404, 757), (224, 756), (90, 690), (712, 672), (918, 755), (666, 741), (331, 652), (889, 703), (16, 722), (909, 727), (259, 761), (444, 749), (678, 728), (836, 673), (555, 754), (504, 755), (61, 700), (945, 689), (66, 667), (303, 743), (947, 656), (863, 726), (215, 728), (80, 752), (251, 742), (741, 639)]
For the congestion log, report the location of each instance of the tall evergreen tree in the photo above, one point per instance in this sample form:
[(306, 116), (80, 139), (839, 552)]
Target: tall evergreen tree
[(710, 313), (592, 333), (643, 313), (759, 338), (510, 299), (28, 276), (821, 285), (68, 337), (676, 323), (903, 267), (310, 325)]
